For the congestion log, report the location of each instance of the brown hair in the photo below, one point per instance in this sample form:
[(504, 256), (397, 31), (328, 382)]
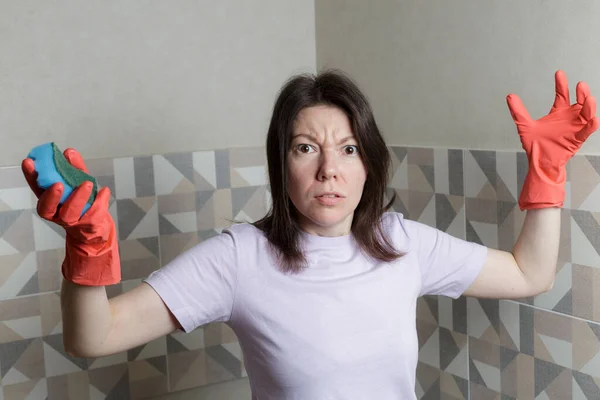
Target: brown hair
[(330, 88)]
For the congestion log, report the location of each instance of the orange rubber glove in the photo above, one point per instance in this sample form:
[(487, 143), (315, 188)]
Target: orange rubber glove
[(92, 252), (551, 141)]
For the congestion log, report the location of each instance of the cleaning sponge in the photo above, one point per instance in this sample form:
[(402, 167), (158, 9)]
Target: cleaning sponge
[(52, 167)]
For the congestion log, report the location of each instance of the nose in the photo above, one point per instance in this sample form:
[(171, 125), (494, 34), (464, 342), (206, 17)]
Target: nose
[(328, 167)]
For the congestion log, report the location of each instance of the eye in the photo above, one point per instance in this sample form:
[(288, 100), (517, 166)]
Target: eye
[(351, 150), (304, 148)]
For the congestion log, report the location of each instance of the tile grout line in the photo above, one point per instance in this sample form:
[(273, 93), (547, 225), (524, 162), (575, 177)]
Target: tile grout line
[(464, 188), (464, 179), (551, 311), (160, 265)]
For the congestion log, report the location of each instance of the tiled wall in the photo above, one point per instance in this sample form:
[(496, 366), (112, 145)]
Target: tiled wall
[(163, 205), (545, 348)]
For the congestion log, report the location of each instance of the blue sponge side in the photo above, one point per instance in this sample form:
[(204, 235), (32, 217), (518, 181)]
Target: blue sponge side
[(43, 157)]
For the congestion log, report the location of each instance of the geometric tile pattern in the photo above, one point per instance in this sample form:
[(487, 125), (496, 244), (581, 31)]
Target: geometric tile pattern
[(547, 347), (162, 205)]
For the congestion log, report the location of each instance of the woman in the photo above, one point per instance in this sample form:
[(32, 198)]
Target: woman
[(322, 291)]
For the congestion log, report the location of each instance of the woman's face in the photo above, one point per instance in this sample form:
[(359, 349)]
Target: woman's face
[(326, 174)]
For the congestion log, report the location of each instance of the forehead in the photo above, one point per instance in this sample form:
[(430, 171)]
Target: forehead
[(322, 120)]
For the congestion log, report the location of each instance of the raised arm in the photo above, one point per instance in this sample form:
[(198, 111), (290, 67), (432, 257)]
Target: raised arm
[(549, 142), (93, 326)]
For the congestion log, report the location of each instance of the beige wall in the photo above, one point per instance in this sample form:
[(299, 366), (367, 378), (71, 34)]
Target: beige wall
[(120, 78), (438, 71)]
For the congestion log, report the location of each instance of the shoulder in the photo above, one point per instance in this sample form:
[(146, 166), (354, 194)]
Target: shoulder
[(411, 232), (244, 231), (243, 236), (228, 244), (413, 229), (396, 228)]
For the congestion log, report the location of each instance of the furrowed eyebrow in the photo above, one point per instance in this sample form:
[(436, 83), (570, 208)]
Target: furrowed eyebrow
[(304, 135), (346, 139), (312, 138)]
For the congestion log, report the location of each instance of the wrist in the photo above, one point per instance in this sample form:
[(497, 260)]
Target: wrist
[(544, 187)]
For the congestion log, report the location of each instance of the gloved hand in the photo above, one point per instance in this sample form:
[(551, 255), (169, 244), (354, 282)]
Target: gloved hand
[(92, 252), (551, 141)]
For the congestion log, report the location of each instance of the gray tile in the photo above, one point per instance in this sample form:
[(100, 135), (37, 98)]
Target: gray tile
[(506, 356), (107, 181), (504, 209), (400, 152), (183, 162), (587, 384), (226, 359), (432, 302), (143, 168), (428, 172), (474, 375), (7, 218), (459, 315), (589, 225), (202, 197), (544, 374), (397, 206), (11, 352), (434, 393), (165, 227), (174, 345), (129, 216), (448, 348), (12, 177), (240, 196), (222, 169), (56, 342), (121, 390), (31, 287), (160, 363), (151, 243), (487, 162), (527, 334), (455, 172), (491, 308), (463, 385), (594, 162), (444, 212)]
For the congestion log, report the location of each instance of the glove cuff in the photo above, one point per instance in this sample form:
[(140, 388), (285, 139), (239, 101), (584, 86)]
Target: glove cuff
[(93, 264), (541, 191)]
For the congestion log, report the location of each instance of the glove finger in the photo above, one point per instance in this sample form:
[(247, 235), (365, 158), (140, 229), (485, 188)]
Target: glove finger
[(583, 91), (75, 159), (71, 210), (101, 203), (49, 201), (28, 168), (517, 109), (588, 129), (561, 100), (589, 108)]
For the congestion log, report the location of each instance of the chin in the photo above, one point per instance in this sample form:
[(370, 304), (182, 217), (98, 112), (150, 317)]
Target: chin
[(328, 219)]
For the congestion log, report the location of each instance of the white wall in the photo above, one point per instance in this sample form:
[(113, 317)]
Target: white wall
[(120, 78), (438, 72)]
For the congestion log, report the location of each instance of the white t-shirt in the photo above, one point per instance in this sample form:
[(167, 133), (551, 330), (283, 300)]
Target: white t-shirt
[(344, 328)]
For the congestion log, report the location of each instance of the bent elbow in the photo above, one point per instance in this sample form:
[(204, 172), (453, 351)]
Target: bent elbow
[(548, 286), (79, 351)]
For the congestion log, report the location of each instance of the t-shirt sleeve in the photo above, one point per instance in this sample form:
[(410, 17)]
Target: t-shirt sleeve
[(448, 265), (199, 285)]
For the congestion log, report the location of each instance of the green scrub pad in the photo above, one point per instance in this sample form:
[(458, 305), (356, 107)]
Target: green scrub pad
[(52, 167)]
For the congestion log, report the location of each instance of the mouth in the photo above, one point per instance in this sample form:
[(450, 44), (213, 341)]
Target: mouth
[(329, 195)]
